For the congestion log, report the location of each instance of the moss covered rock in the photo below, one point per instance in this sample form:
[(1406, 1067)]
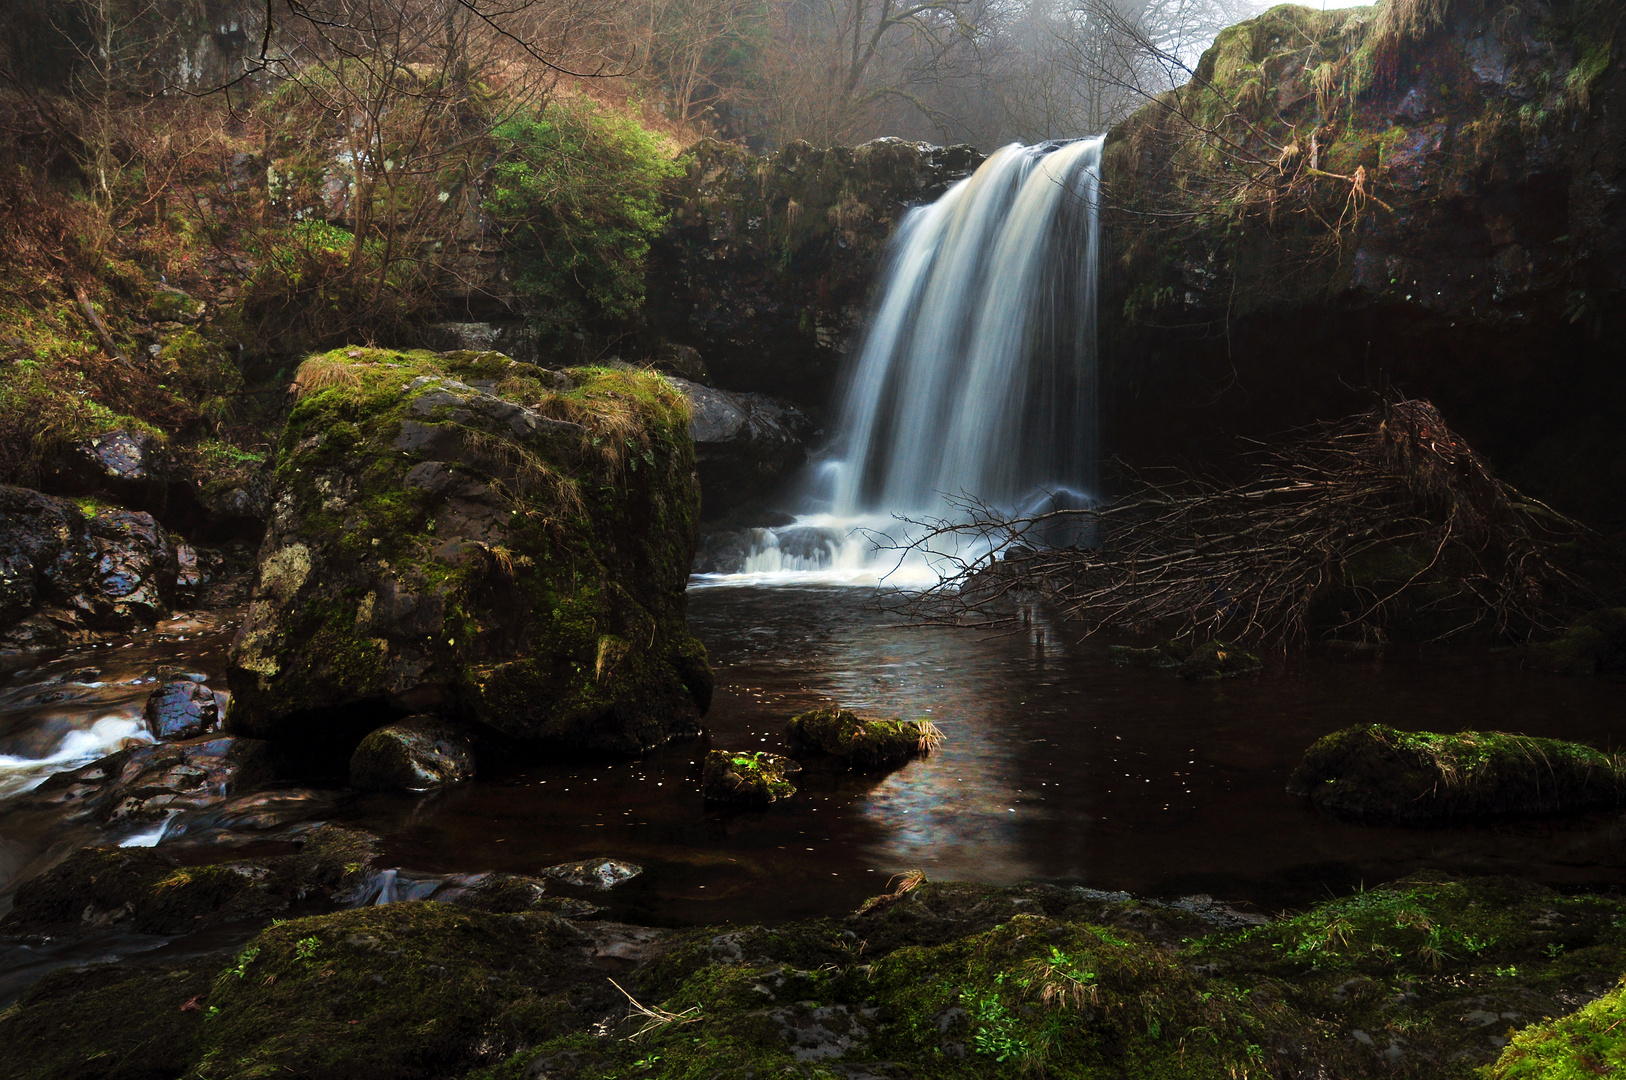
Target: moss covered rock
[(1586, 1043), (1373, 772), (416, 754), (751, 776), (458, 531), (865, 743)]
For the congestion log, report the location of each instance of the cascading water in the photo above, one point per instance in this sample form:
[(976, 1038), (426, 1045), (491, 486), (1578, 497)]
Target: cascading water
[(976, 375)]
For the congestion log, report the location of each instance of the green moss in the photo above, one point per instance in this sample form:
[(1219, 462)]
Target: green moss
[(753, 776), (105, 1022), (1585, 1044), (404, 990), (1380, 773), (865, 743)]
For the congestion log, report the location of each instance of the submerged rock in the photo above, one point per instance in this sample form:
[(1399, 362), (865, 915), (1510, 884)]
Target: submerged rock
[(459, 531), (1218, 660), (1158, 657), (753, 776), (1375, 773), (865, 743), (181, 709), (594, 873), (416, 754)]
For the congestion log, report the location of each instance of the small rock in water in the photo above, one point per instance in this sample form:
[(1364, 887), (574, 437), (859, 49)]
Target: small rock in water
[(865, 743), (1218, 660), (181, 709), (594, 873), (754, 776), (418, 754)]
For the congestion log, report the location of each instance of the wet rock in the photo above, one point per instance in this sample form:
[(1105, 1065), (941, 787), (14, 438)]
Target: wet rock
[(865, 743), (144, 785), (770, 260), (250, 818), (1375, 773), (434, 547), (745, 444), (114, 569), (594, 873), (753, 776), (1594, 645), (181, 709), (147, 890), (1218, 660), (195, 570), (419, 753)]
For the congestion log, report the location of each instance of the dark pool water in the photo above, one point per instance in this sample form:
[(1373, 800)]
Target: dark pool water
[(1057, 766)]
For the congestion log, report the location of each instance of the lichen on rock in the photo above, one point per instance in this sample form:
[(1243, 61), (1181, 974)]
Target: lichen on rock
[(463, 533)]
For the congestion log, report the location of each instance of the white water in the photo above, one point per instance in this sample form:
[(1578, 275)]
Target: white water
[(975, 378), (79, 746)]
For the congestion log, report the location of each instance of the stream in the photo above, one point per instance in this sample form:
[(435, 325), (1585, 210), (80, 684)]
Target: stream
[(1057, 766)]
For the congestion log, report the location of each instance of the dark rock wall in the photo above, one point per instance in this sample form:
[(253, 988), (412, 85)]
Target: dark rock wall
[(1493, 288), (770, 261)]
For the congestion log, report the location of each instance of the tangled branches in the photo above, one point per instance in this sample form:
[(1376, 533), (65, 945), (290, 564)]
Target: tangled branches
[(1350, 529)]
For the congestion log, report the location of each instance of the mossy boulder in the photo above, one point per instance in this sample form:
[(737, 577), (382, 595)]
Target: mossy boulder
[(419, 753), (149, 891), (406, 990), (1594, 645), (751, 776), (956, 981), (464, 533), (865, 743), (1376, 773)]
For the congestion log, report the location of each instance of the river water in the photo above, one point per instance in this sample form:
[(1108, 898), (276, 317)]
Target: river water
[(1057, 766)]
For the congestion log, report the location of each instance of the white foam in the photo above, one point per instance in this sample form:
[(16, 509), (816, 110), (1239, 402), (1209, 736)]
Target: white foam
[(78, 747), (824, 549)]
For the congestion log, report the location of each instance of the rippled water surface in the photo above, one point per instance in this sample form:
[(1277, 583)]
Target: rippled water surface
[(1057, 766)]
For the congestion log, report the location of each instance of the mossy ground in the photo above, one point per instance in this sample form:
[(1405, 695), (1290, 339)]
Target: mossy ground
[(1379, 773), (1422, 978)]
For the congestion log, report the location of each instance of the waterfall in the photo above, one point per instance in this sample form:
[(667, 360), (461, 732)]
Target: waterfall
[(976, 374)]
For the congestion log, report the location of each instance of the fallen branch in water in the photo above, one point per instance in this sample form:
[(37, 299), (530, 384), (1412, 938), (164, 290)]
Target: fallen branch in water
[(1347, 528)]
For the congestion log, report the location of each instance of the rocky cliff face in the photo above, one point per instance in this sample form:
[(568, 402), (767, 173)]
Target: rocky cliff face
[(1343, 202), (769, 262)]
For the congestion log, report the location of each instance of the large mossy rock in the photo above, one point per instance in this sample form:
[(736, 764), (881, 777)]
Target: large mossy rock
[(865, 743), (770, 260), (481, 537), (1376, 773)]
